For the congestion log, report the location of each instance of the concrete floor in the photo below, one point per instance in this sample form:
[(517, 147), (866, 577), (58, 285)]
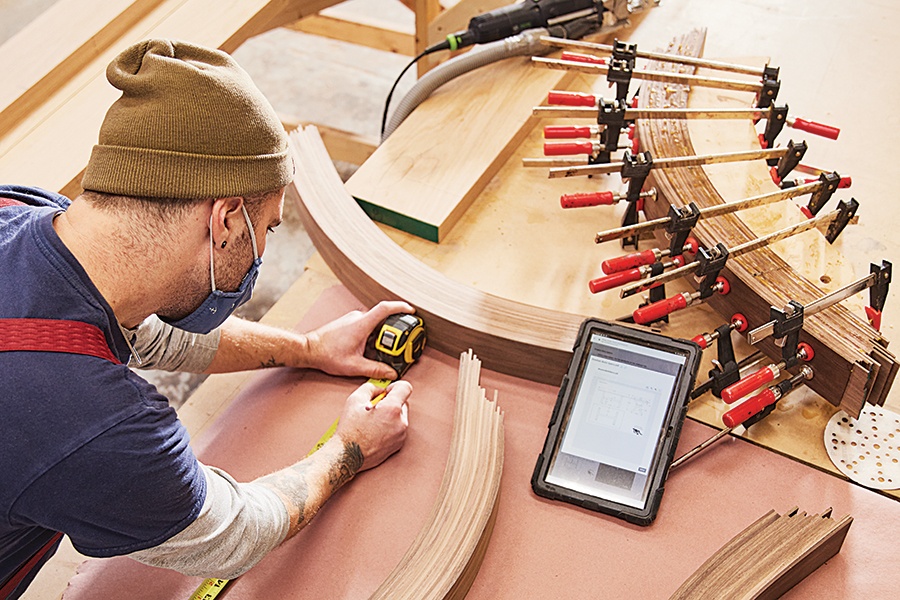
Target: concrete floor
[(307, 79)]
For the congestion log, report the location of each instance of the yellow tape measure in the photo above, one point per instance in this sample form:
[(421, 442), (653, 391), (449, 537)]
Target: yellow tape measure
[(399, 342)]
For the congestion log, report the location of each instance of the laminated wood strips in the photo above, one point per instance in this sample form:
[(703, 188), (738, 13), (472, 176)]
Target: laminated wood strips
[(851, 364), (768, 558), (514, 338), (445, 557)]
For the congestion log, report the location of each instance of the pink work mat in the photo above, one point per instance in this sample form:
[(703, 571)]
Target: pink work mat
[(540, 548)]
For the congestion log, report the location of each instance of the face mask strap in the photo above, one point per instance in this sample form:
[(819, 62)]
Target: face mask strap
[(252, 234), (212, 273)]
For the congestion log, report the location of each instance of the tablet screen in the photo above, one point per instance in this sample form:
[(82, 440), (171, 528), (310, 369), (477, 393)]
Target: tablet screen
[(614, 428)]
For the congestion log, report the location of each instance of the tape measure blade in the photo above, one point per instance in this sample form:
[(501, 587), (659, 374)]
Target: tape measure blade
[(209, 589)]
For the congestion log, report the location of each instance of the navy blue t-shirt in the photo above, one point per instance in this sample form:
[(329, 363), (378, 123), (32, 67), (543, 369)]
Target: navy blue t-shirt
[(87, 447)]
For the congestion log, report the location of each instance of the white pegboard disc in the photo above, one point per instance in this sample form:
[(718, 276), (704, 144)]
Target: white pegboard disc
[(867, 449)]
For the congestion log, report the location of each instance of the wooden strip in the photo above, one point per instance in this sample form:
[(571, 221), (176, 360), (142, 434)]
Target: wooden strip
[(445, 557), (511, 337)]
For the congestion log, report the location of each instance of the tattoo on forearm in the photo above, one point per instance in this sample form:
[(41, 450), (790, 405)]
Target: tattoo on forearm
[(270, 363), (350, 462), (291, 482)]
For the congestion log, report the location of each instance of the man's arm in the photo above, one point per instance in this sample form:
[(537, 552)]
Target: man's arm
[(336, 348), (241, 522)]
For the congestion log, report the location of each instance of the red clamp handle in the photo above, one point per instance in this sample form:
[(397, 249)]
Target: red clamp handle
[(658, 310), (585, 58), (701, 340), (843, 184), (629, 261), (825, 131), (739, 389), (556, 132), (601, 284), (745, 410), (874, 317), (583, 199), (571, 99), (566, 148)]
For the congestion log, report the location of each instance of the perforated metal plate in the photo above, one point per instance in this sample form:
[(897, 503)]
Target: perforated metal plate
[(867, 450)]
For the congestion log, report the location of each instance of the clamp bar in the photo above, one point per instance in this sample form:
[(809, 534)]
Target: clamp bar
[(830, 299), (711, 211), (663, 76), (590, 112), (684, 60), (674, 162), (765, 240)]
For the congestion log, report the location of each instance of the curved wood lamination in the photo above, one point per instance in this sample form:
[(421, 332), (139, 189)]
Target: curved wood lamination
[(848, 352), (851, 364), (514, 338)]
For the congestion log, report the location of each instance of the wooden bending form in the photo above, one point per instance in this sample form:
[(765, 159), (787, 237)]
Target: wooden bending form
[(768, 558), (445, 557), (851, 364)]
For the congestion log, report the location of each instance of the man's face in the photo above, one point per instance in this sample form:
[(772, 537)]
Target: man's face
[(230, 266)]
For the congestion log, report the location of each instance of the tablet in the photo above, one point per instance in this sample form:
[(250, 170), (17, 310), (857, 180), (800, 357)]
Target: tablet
[(617, 419)]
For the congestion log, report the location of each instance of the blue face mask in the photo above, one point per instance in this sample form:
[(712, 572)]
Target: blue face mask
[(219, 305)]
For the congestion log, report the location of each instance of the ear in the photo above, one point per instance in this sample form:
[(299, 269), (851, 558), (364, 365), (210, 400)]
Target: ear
[(227, 218)]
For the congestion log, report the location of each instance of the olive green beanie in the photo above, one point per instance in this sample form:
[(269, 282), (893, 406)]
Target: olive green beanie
[(190, 124)]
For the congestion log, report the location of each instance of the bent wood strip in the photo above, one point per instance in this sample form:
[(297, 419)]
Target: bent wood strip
[(514, 338), (845, 371), (446, 555)]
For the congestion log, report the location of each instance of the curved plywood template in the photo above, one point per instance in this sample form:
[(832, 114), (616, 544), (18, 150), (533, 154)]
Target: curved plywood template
[(510, 337)]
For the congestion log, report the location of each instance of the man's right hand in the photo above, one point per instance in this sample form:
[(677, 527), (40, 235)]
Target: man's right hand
[(378, 430)]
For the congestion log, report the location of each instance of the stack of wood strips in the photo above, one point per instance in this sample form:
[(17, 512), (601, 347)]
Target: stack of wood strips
[(446, 555), (768, 558), (851, 363)]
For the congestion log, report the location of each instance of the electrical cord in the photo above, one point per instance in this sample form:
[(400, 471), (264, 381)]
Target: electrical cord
[(387, 101)]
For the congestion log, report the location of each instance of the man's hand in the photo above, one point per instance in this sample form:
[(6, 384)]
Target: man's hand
[(377, 431), (365, 437), (337, 348)]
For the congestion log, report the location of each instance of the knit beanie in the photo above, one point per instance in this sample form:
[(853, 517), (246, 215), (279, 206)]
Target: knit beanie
[(190, 124)]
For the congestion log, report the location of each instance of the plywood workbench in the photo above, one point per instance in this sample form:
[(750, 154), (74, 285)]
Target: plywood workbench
[(514, 241)]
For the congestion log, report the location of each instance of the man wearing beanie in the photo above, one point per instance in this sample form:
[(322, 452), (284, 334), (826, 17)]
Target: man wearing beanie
[(143, 270)]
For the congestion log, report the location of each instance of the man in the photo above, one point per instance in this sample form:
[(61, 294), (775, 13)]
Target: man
[(166, 241)]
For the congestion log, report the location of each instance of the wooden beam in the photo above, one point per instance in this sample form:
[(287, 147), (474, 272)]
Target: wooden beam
[(59, 43), (475, 142), (50, 147), (372, 34), (426, 12)]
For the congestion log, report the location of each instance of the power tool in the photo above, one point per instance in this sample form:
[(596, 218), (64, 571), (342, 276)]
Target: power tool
[(510, 20)]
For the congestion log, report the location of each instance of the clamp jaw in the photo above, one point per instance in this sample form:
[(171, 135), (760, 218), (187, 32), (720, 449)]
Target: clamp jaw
[(681, 221), (621, 67), (635, 168), (770, 86)]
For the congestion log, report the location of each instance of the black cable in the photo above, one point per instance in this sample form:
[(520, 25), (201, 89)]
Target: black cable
[(387, 102)]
